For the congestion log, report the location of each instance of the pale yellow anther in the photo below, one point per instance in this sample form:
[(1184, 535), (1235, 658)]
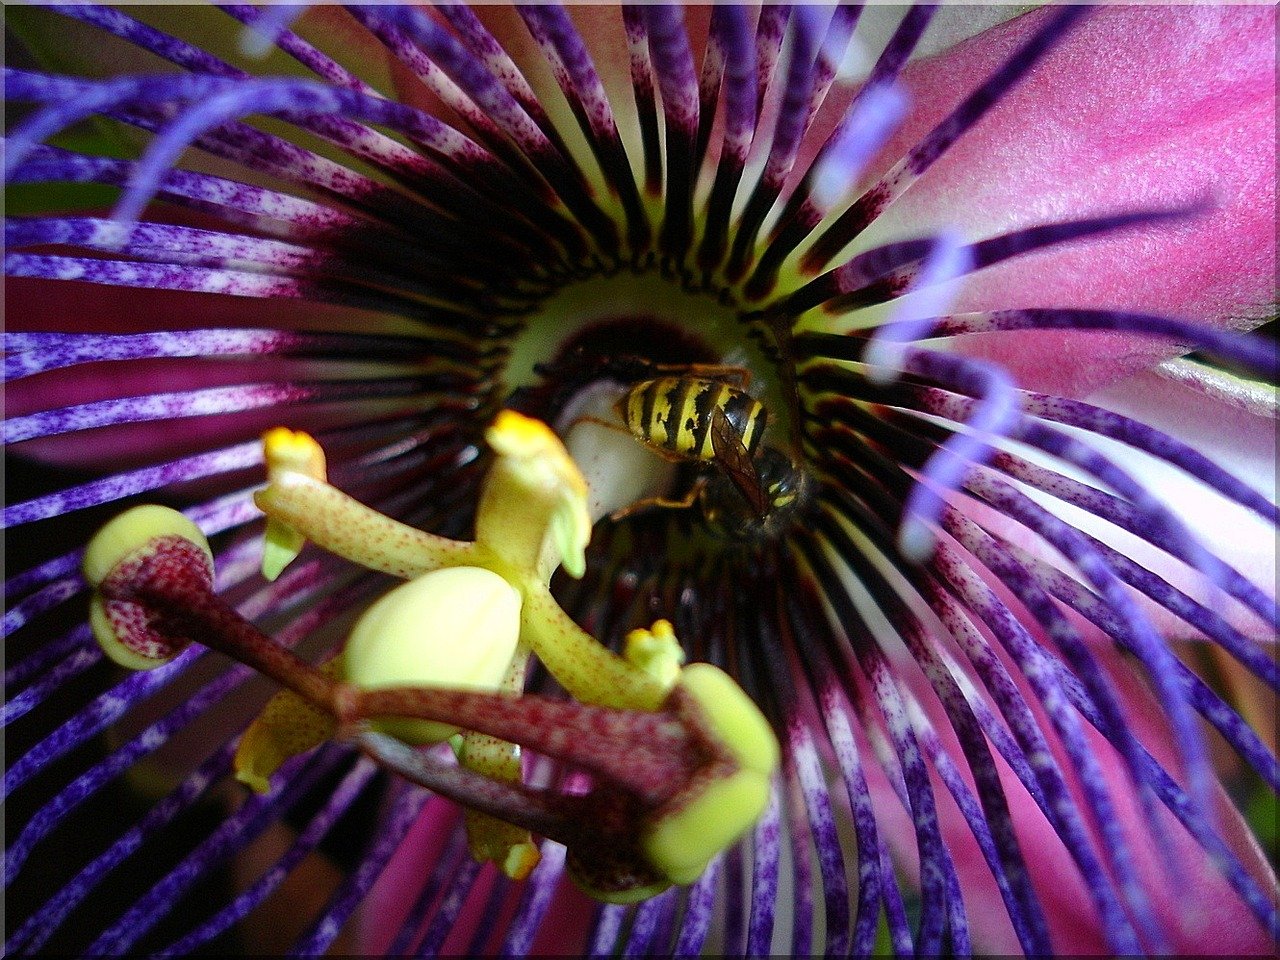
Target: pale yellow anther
[(451, 628), (737, 721), (682, 844), (656, 651), (698, 824), (287, 451)]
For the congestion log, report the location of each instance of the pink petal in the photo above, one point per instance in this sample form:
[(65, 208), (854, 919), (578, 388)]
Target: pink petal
[(1201, 915), (1137, 107), (1242, 443), (387, 906)]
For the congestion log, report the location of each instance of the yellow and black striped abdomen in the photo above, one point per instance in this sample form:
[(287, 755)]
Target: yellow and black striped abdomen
[(674, 414)]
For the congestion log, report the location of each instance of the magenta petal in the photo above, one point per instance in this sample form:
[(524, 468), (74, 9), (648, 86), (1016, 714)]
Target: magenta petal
[(1238, 440), (1201, 916), (1136, 107)]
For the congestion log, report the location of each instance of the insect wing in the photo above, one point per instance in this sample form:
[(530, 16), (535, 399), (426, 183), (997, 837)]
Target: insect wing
[(731, 455)]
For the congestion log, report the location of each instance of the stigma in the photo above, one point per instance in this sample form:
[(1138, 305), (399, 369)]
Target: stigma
[(430, 683)]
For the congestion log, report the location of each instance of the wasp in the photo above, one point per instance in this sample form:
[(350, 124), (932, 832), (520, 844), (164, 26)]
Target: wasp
[(699, 416)]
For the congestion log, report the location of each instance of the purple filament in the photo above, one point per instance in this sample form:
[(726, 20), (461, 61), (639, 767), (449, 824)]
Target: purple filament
[(344, 794), (46, 598), (326, 928), (37, 928), (1027, 652), (449, 909), (270, 28), (866, 128), (158, 733), (1135, 630), (1062, 813), (766, 848), (939, 140), (101, 712), (820, 818), (535, 901), (447, 864), (696, 922), (802, 918), (994, 414), (233, 834), (65, 645), (651, 917), (606, 929)]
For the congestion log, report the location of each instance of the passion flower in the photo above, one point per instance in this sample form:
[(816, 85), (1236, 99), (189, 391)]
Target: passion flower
[(999, 574)]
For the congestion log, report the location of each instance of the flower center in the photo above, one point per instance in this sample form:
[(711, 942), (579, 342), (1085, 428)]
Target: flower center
[(579, 360), (644, 314)]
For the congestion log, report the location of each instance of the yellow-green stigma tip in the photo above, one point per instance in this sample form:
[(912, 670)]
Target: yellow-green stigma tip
[(287, 451), (571, 531), (293, 450), (121, 629), (280, 547), (520, 861), (130, 533)]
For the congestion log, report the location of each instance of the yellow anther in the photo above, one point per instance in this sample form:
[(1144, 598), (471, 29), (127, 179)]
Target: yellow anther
[(287, 451), (682, 844), (121, 629), (520, 860), (534, 501), (451, 628), (287, 726), (736, 720), (656, 651), (704, 820), (293, 450), (520, 438)]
